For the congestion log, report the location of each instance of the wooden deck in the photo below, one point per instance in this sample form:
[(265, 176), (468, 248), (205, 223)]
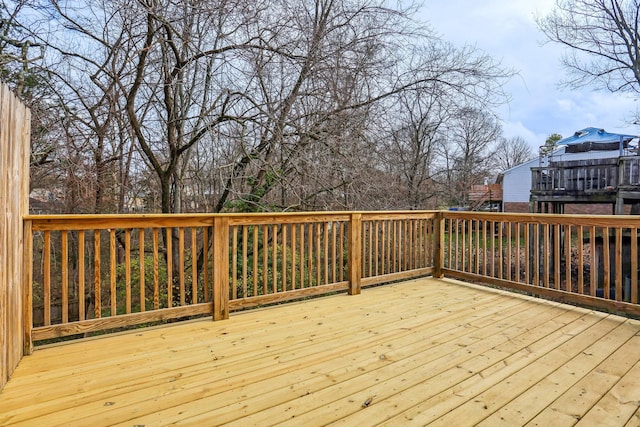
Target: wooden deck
[(420, 352)]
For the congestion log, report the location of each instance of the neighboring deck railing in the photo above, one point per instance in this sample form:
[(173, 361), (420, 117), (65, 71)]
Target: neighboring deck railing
[(102, 272), (629, 171), (588, 260), (587, 176), (575, 176)]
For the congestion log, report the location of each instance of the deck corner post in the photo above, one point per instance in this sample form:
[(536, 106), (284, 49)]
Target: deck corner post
[(355, 253), (220, 267), (438, 245), (27, 283)]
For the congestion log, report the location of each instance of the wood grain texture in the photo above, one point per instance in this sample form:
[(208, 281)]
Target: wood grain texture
[(422, 352), (550, 293), (14, 205)]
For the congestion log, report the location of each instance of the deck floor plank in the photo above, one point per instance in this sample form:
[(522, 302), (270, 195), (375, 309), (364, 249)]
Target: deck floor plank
[(163, 369), (378, 388), (454, 387), (347, 365), (619, 404), (480, 406), (388, 369), (572, 405), (537, 397), (413, 353)]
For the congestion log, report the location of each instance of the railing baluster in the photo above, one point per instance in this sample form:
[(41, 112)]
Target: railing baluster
[(96, 275), (517, 263), (169, 257), (142, 271), (500, 250), (334, 276), (536, 254), (580, 243), (527, 253), (325, 245), (463, 238), (274, 258), (156, 270), (556, 256), (194, 266), (457, 248), (127, 271), (205, 265), (112, 282), (181, 277), (592, 262), (64, 256), (343, 248), (310, 266), (284, 257), (567, 257), (606, 262), (509, 244), (376, 247), (234, 263), (318, 252), (477, 244), (265, 259), (618, 265), (47, 277), (81, 276), (493, 248), (634, 265), (546, 250), (303, 228)]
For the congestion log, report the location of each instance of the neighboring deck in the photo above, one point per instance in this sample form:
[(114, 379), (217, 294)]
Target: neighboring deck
[(419, 352)]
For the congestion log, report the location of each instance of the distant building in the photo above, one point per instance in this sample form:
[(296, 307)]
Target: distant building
[(593, 171)]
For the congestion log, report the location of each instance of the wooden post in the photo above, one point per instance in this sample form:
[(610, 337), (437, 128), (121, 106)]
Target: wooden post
[(220, 268), (27, 283), (438, 245), (355, 253)]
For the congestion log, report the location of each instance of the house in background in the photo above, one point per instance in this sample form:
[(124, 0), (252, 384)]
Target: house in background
[(593, 171), (486, 197)]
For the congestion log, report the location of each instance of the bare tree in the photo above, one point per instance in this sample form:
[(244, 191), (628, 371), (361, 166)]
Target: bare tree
[(412, 145), (234, 104), (510, 152), (472, 135), (602, 39)]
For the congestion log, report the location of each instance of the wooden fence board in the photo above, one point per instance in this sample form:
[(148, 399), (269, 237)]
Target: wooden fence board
[(14, 205)]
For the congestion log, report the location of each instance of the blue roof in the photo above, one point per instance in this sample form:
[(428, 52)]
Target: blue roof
[(594, 135)]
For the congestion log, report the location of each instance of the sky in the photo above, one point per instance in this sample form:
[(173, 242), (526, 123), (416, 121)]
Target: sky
[(506, 30)]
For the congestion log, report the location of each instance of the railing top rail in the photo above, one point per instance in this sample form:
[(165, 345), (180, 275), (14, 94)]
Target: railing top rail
[(558, 167), (107, 221), (542, 218), (229, 214)]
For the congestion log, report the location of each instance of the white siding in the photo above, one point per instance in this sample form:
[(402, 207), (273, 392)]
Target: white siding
[(516, 182)]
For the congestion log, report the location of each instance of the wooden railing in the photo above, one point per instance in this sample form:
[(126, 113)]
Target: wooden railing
[(589, 260), (629, 171), (93, 273), (582, 176), (587, 175)]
